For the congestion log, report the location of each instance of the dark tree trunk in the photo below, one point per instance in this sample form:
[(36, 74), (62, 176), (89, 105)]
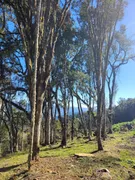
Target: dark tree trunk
[(110, 118), (60, 118), (89, 126), (22, 137), (64, 136), (99, 122), (11, 142), (15, 141), (52, 126), (65, 124)]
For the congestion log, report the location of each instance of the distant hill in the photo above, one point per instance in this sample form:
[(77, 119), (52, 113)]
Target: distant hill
[(76, 110), (70, 111)]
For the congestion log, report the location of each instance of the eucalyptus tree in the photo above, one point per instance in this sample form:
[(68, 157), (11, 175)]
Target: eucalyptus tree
[(120, 53), (12, 66), (14, 121), (61, 74), (102, 17), (39, 23)]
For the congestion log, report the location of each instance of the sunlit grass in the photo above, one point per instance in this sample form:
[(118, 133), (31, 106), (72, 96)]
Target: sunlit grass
[(77, 146), (11, 163), (118, 156)]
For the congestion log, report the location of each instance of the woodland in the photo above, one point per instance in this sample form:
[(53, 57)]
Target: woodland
[(59, 64)]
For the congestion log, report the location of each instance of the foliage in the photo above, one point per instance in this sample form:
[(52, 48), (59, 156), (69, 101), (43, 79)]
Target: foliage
[(124, 111), (124, 126)]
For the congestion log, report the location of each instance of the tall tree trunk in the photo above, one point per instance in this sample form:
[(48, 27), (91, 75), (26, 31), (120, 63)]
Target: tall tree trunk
[(53, 128), (104, 120), (81, 117), (64, 127), (47, 124), (36, 140), (54, 124), (68, 108), (110, 115), (33, 146), (110, 131), (99, 122), (15, 141), (22, 136), (89, 125), (11, 141), (9, 129), (111, 96), (89, 117), (73, 116), (59, 116)]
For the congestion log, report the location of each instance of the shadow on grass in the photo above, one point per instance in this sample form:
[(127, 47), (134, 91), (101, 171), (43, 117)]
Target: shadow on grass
[(57, 147), (51, 148), (108, 161), (93, 152), (89, 141), (22, 175), (8, 168)]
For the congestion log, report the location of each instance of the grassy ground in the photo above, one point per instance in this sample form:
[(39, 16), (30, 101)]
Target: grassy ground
[(57, 163)]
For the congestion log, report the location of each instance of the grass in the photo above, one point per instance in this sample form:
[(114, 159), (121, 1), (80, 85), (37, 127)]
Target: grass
[(73, 147), (118, 156), (11, 164)]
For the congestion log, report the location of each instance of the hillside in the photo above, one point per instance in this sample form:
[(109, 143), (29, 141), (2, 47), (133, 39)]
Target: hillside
[(57, 163)]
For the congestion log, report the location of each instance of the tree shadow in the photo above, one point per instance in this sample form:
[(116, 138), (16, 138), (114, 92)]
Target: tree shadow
[(93, 152), (8, 168), (24, 174), (88, 141), (51, 148)]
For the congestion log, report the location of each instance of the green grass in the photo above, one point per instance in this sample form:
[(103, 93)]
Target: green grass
[(118, 156), (73, 147), (11, 163)]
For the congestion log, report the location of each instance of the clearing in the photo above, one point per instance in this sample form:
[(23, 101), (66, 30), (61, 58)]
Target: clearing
[(61, 164)]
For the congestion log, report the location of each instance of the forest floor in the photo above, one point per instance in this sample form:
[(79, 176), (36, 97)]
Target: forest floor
[(60, 164)]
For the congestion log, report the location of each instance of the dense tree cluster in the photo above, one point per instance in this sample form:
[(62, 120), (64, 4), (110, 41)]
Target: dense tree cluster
[(124, 111)]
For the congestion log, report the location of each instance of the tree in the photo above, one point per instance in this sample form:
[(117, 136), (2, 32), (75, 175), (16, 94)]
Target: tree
[(102, 17), (124, 111), (12, 66), (120, 54), (14, 121), (39, 23)]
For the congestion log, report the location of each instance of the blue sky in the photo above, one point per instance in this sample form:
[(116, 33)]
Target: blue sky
[(126, 75)]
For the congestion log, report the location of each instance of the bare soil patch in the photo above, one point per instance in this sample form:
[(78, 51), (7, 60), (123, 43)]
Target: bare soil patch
[(53, 168)]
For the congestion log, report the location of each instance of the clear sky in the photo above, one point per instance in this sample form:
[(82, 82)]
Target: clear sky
[(126, 76)]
